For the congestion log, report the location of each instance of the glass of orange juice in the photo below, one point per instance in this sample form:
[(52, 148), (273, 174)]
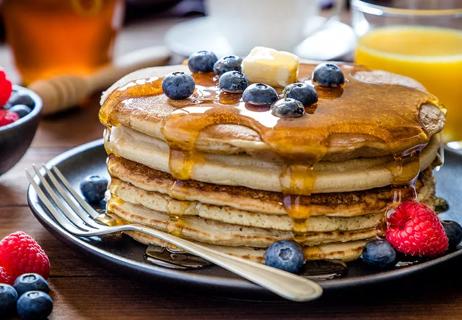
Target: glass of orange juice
[(419, 39)]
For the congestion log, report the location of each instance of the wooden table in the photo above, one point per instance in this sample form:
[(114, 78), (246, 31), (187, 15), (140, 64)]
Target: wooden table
[(85, 290)]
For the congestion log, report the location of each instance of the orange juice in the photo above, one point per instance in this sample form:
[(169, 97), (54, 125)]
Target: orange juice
[(430, 55)]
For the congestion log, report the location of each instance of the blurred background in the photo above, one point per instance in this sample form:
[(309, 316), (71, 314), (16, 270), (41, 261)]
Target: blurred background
[(147, 18), (58, 35)]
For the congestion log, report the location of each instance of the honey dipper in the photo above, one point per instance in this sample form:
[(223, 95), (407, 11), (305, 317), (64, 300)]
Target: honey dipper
[(63, 92)]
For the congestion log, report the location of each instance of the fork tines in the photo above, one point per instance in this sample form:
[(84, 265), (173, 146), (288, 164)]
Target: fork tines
[(68, 208)]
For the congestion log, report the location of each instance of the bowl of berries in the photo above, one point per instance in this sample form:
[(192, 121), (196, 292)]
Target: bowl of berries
[(19, 117)]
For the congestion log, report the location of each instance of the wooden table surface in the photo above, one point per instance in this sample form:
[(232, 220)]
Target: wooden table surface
[(84, 290)]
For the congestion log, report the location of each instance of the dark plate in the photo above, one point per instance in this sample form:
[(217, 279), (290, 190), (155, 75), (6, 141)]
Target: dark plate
[(127, 255)]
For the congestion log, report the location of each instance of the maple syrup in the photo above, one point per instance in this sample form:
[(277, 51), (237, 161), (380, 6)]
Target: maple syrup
[(300, 142)]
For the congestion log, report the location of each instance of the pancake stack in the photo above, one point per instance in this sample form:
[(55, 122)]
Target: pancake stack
[(234, 177)]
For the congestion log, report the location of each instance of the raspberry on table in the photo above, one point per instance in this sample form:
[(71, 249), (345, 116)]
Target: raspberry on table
[(20, 253), (415, 230)]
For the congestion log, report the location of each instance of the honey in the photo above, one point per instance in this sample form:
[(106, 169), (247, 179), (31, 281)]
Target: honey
[(176, 190), (181, 164), (404, 169), (299, 142), (299, 213), (176, 222), (297, 179), (111, 220), (138, 88), (176, 225), (56, 37)]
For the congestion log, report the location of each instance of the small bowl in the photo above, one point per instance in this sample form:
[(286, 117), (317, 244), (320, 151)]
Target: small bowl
[(16, 137)]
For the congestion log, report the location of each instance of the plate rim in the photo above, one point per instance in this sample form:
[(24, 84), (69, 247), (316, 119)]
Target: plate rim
[(188, 277)]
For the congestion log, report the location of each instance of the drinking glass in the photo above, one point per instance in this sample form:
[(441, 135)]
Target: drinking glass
[(56, 37), (419, 39)]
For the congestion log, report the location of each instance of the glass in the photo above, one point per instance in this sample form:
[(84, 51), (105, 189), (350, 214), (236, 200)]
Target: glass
[(55, 37), (419, 39)]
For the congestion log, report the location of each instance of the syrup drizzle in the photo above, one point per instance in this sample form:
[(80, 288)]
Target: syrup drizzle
[(138, 88), (301, 142), (176, 221)]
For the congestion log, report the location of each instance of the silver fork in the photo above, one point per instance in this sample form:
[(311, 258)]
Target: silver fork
[(77, 217)]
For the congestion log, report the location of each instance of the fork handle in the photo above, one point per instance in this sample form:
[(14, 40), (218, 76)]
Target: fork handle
[(282, 283)]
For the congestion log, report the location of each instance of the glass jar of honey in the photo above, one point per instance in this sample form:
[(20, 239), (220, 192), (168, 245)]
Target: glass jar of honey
[(56, 37)]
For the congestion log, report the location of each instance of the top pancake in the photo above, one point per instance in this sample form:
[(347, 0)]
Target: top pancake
[(375, 114)]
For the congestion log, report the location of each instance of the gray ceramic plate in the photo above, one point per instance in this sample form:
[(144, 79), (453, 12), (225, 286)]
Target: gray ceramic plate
[(127, 255)]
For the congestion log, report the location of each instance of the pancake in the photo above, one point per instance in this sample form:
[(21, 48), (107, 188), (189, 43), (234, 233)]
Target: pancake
[(245, 199), (361, 174), (343, 134), (165, 204), (214, 232), (235, 177), (348, 251)]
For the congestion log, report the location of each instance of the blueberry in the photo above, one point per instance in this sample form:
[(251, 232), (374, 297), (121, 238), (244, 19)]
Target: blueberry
[(21, 109), (8, 297), (301, 91), (379, 253), (288, 108), (34, 305), (228, 63), (102, 204), (260, 94), (31, 282), (22, 98), (93, 188), (453, 231), (285, 255), (328, 75), (202, 61), (233, 82), (178, 85)]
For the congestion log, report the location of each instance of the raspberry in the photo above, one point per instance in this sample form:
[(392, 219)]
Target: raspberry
[(7, 117), (5, 88), (5, 277), (20, 254), (414, 229)]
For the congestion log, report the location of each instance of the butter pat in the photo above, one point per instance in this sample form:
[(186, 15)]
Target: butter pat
[(275, 68)]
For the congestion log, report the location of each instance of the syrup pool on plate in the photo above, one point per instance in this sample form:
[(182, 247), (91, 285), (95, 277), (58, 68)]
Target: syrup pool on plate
[(431, 55)]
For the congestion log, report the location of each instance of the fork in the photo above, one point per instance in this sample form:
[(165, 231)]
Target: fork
[(77, 217)]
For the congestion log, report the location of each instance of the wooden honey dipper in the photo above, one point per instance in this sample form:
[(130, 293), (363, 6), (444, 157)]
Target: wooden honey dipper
[(63, 92)]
